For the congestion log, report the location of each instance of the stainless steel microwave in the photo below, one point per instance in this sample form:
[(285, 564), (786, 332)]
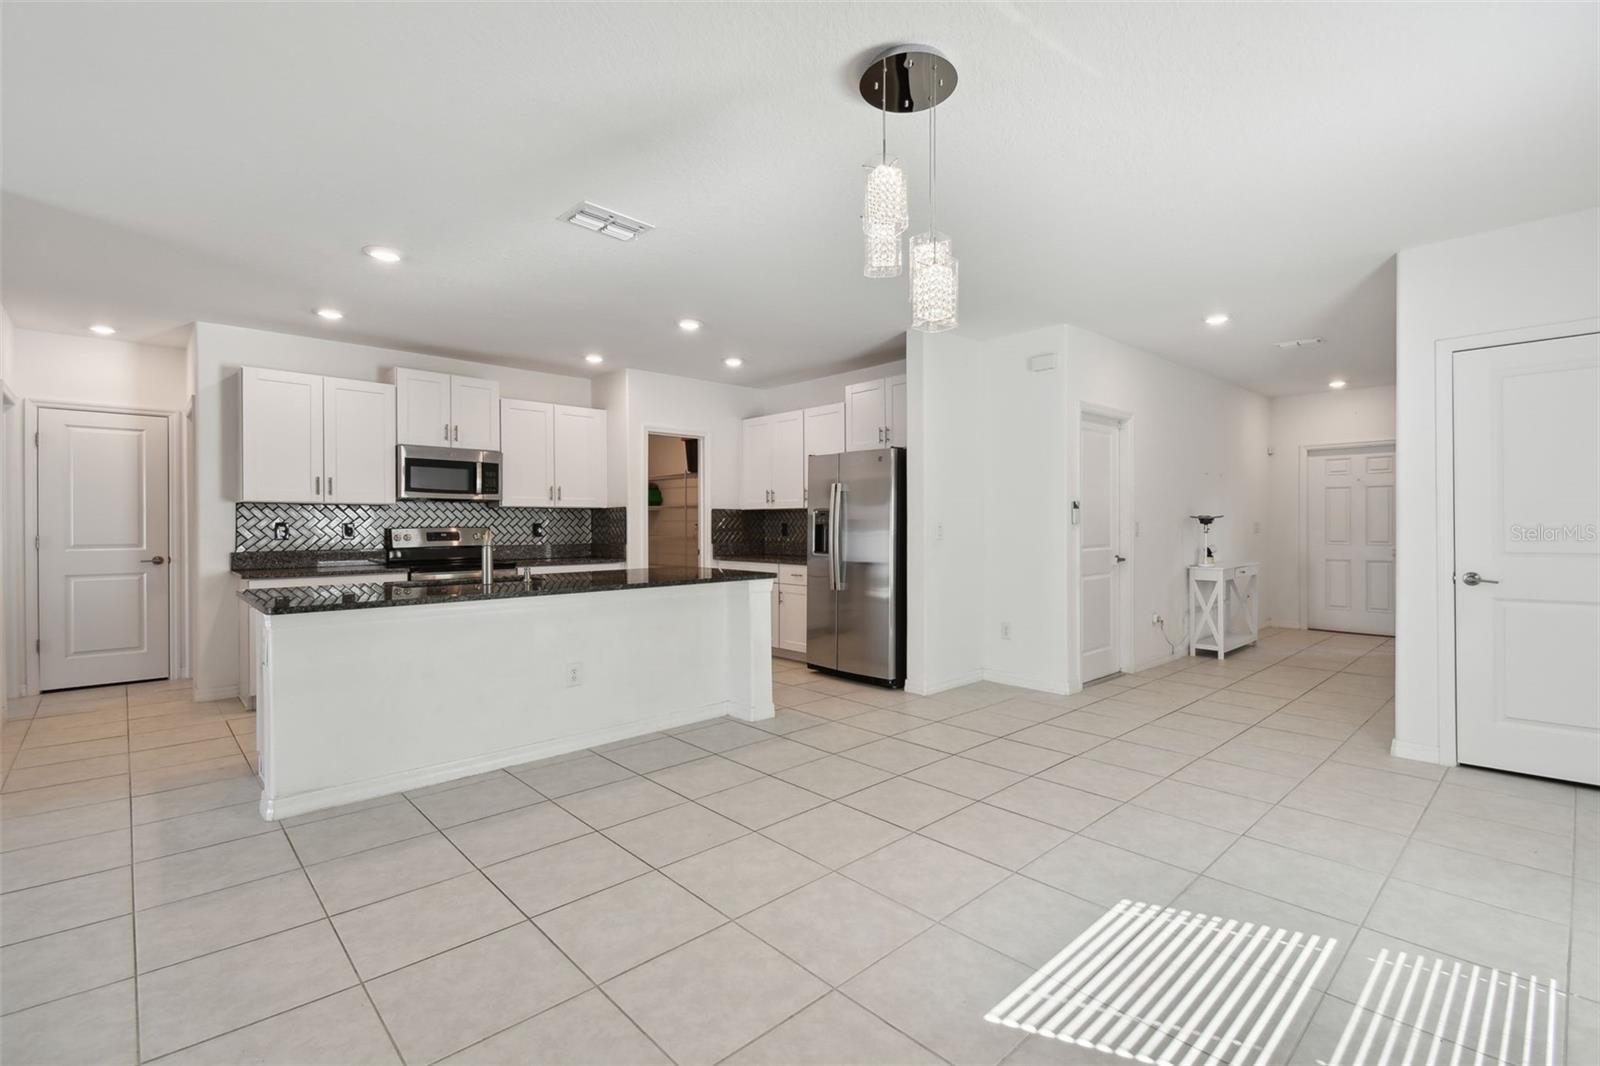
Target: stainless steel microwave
[(446, 474)]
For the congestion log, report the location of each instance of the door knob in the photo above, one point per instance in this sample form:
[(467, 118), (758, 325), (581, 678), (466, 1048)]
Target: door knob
[(157, 559), (1471, 578), (1120, 558)]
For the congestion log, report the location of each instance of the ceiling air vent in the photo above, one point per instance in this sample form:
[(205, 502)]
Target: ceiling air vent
[(1303, 342), (606, 222)]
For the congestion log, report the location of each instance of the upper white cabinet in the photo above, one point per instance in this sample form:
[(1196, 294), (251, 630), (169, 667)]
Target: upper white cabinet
[(280, 436), (447, 411), (825, 429), (309, 439), (553, 455), (773, 461), (875, 414), (358, 441)]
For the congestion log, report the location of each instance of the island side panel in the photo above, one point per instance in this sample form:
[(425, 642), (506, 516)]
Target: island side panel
[(362, 703), (753, 671)]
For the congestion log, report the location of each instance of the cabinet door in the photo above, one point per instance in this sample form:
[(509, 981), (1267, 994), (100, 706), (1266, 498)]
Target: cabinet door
[(422, 407), (280, 437), (864, 416), (824, 436), (358, 441), (755, 464), (527, 436), (788, 478), (475, 413), (579, 456), (791, 631), (896, 409)]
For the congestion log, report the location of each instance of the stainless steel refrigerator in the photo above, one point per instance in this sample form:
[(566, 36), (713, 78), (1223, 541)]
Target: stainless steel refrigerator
[(856, 564)]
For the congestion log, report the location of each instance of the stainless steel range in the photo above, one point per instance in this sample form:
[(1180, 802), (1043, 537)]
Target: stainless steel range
[(449, 554)]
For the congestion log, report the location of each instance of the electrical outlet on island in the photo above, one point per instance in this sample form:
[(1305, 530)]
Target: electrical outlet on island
[(574, 674)]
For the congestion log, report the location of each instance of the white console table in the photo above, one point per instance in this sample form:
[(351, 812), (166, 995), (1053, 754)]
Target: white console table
[(1211, 591)]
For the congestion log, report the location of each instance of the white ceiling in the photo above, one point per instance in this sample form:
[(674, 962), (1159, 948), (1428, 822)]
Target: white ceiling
[(1128, 168)]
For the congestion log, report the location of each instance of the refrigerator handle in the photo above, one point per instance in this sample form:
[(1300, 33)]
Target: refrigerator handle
[(838, 534)]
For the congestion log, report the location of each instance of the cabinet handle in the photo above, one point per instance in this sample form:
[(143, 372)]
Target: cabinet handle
[(330, 484), (558, 492), (457, 437), (316, 489), (550, 492), (447, 433)]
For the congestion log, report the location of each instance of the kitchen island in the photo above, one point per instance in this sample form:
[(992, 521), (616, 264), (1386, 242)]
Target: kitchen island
[(367, 689)]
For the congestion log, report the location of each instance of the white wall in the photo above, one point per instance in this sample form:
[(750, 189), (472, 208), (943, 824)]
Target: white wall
[(97, 370), (10, 515), (824, 390), (1344, 416), (1538, 274), (219, 351)]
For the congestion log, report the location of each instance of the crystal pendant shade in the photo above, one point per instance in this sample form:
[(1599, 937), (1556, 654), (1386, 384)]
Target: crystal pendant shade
[(935, 278), (884, 216), (883, 256)]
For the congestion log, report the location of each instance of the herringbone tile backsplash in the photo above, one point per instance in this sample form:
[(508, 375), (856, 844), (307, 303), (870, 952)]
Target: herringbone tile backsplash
[(320, 527), (736, 532)]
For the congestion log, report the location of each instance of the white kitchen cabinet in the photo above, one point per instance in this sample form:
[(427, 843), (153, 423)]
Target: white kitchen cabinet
[(358, 438), (446, 411), (579, 456), (824, 436), (280, 436), (475, 413), (552, 455), (527, 436), (773, 461), (790, 633), (895, 432), (875, 414)]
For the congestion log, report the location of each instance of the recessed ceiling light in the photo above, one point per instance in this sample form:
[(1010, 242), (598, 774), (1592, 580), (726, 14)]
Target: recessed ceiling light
[(382, 254), (733, 362), (1218, 319), (594, 358), (329, 313), (102, 330), (689, 325), (1336, 383)]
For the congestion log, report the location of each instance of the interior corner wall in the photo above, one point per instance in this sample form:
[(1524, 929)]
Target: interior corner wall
[(1329, 417), (10, 539), (1542, 273), (944, 540), (1196, 445)]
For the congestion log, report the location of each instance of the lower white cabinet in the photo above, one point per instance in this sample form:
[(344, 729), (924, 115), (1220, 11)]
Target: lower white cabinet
[(788, 601), (552, 455)]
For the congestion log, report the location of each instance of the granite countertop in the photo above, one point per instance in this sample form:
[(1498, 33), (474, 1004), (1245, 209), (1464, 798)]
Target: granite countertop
[(759, 557), (318, 598), (266, 566)]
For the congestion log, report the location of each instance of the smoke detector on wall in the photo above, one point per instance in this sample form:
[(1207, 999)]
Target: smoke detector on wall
[(1303, 342)]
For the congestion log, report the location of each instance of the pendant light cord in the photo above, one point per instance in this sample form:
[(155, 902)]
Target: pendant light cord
[(933, 154), (883, 106)]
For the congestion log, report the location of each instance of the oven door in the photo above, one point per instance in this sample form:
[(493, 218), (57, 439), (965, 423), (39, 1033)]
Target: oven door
[(444, 474)]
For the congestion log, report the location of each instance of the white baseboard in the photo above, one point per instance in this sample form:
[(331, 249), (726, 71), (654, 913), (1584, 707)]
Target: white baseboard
[(1160, 660), (421, 777), (221, 692), (1416, 752), (1003, 677), (919, 687)]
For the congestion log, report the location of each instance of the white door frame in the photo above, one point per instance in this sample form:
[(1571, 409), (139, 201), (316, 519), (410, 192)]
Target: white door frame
[(177, 609), (1303, 515), (704, 437), (1124, 604), (1444, 576), (11, 510)]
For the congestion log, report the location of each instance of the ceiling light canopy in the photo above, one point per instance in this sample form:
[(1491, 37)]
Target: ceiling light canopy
[(594, 358), (382, 253), (733, 362), (1336, 383), (102, 330), (689, 325), (606, 222), (331, 314), (1218, 319)]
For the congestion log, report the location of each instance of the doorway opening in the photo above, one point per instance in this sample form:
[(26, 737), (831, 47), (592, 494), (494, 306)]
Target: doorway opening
[(673, 503)]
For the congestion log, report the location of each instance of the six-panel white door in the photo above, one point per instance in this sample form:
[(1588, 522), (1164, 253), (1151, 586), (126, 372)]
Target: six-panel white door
[(1350, 540), (1527, 530), (358, 438), (1099, 532), (104, 556)]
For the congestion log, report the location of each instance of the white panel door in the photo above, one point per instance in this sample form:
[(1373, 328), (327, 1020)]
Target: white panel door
[(1099, 548), (358, 439), (579, 456), (1527, 524), (788, 479), (1350, 540), (895, 408), (755, 464), (422, 407), (527, 440), (280, 437), (103, 548), (475, 413), (865, 415)]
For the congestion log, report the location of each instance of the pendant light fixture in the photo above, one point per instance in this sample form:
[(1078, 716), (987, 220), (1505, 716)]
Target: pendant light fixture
[(907, 79), (885, 214)]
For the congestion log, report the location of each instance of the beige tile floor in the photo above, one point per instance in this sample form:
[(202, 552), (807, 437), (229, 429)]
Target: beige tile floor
[(857, 880)]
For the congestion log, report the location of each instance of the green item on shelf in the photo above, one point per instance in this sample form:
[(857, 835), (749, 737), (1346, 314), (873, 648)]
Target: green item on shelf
[(655, 495)]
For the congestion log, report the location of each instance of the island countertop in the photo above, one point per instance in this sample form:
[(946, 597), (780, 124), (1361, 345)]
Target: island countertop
[(361, 596), (268, 565)]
